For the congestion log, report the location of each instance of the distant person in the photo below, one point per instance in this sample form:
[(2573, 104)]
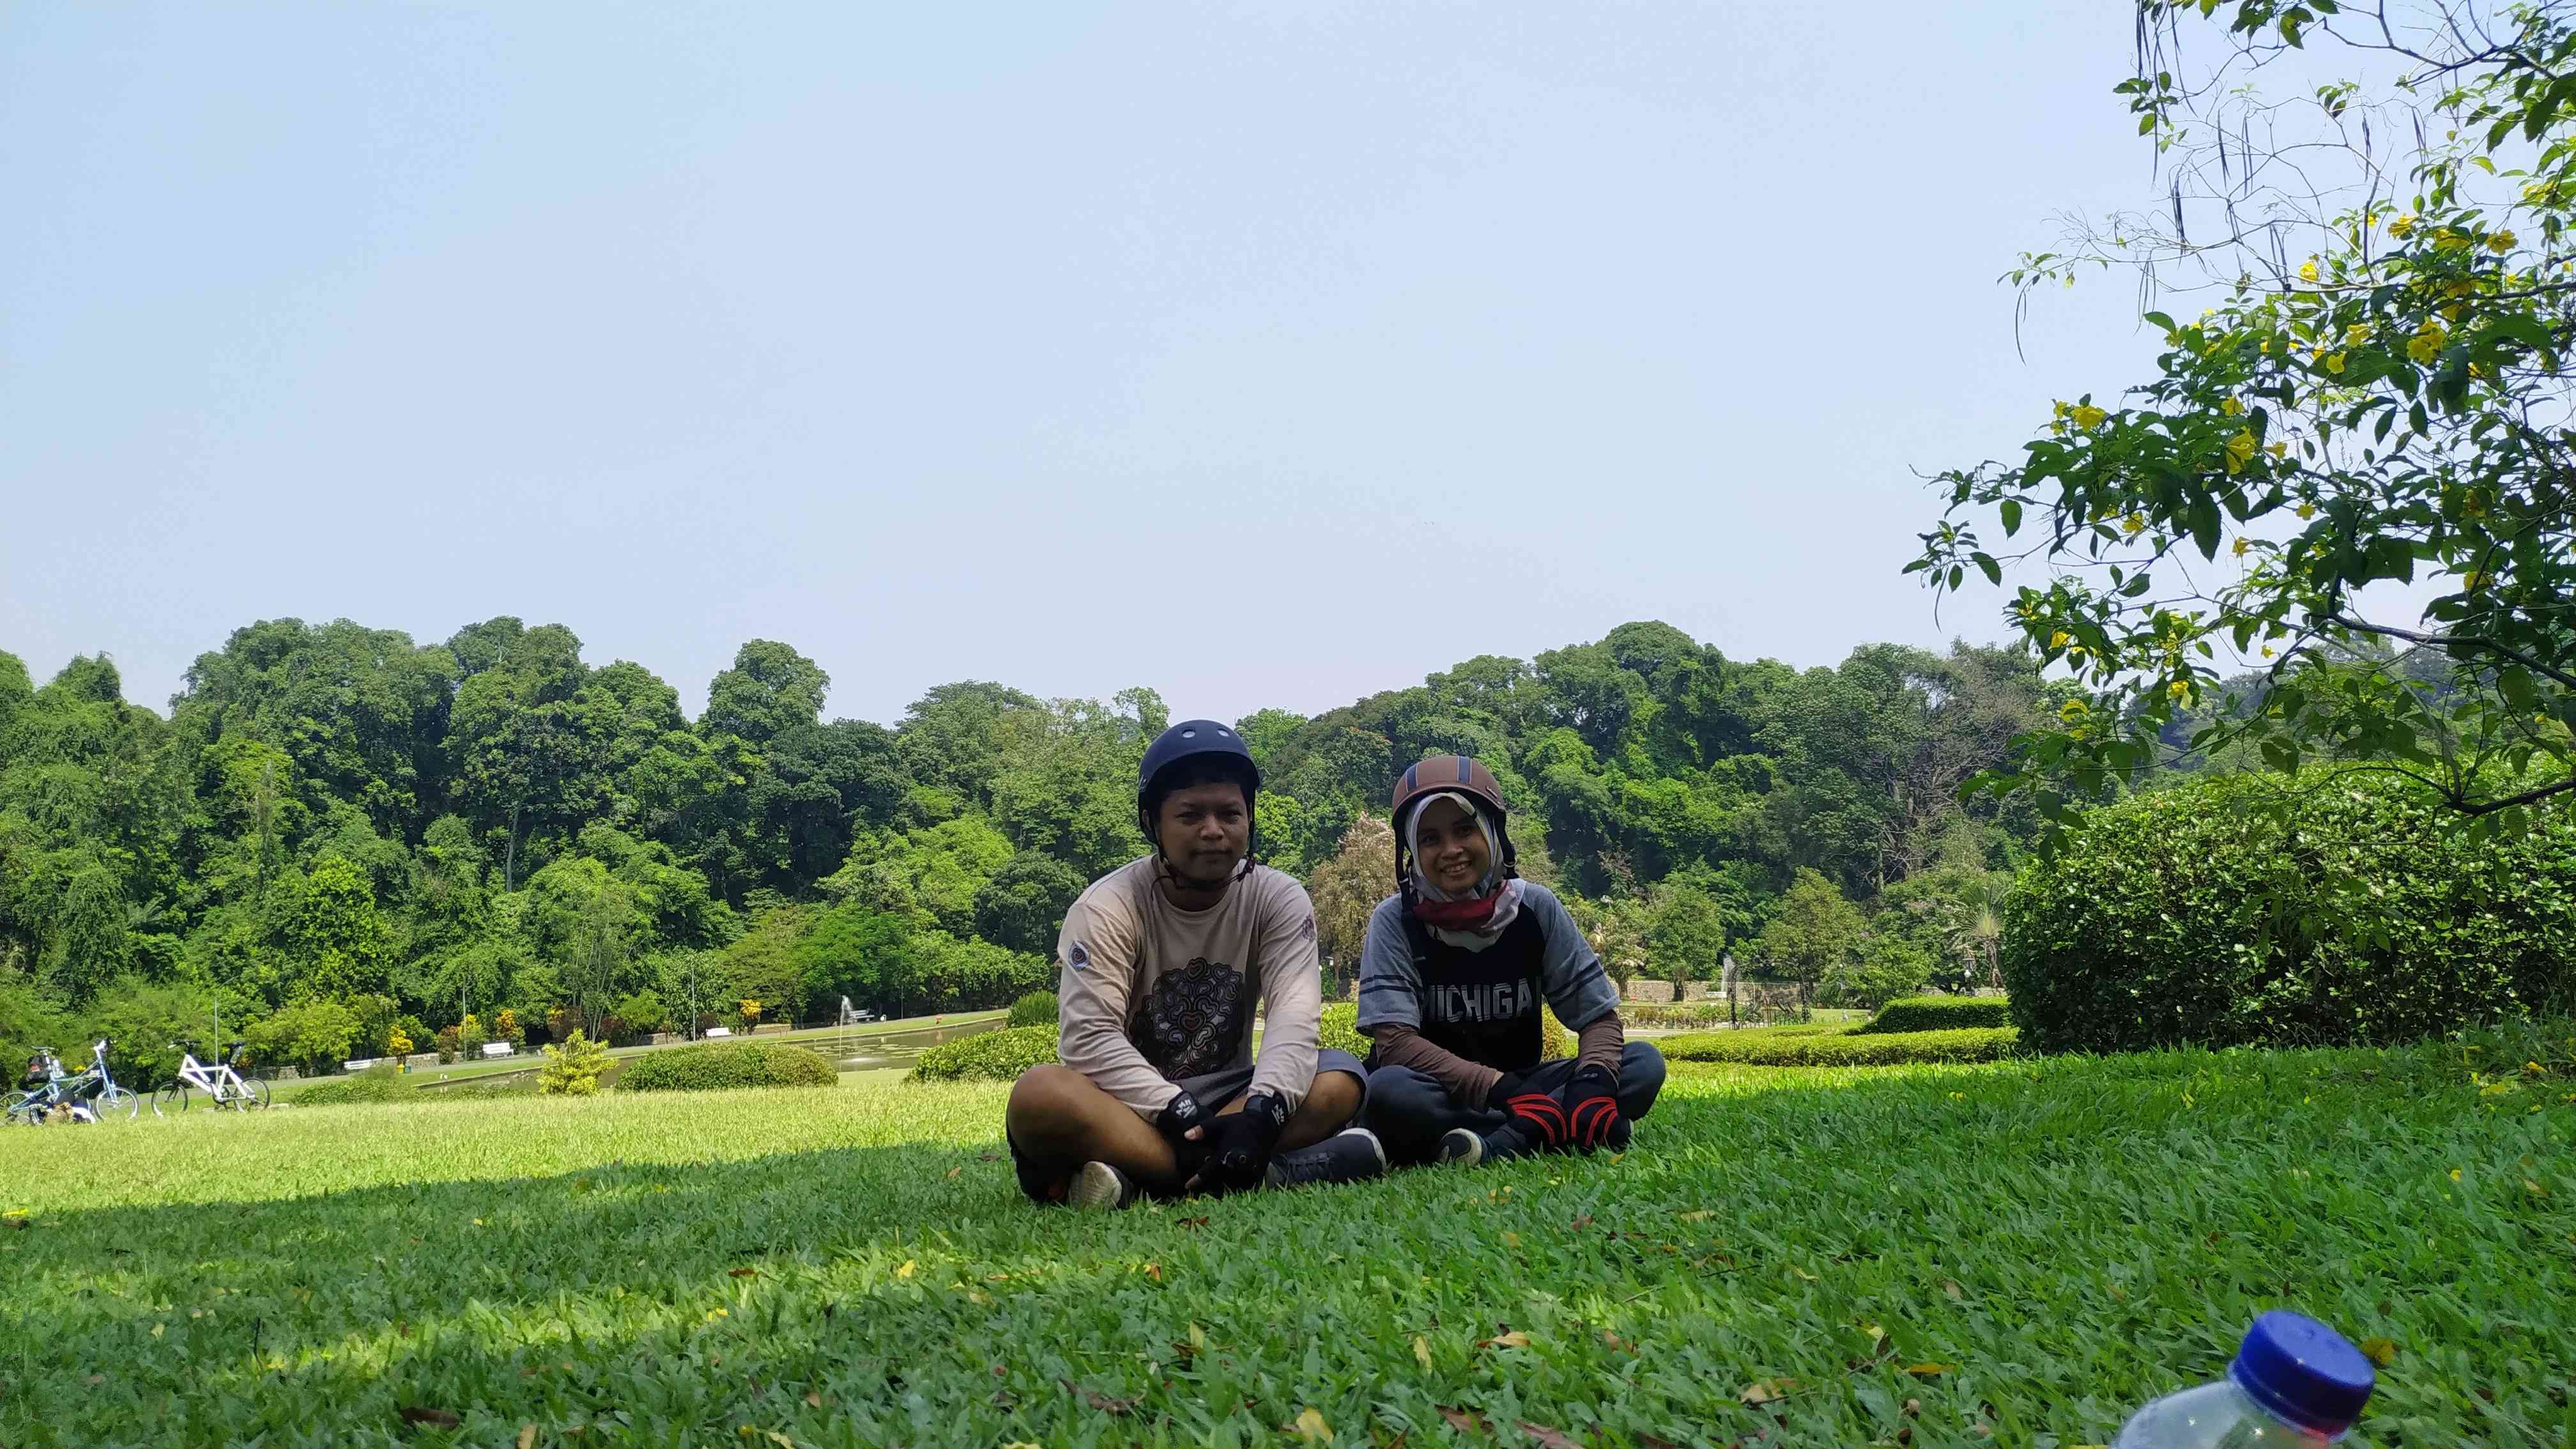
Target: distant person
[(1452, 974), (1164, 958)]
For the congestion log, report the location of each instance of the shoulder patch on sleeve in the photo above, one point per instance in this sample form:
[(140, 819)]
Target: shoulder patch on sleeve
[(1078, 956)]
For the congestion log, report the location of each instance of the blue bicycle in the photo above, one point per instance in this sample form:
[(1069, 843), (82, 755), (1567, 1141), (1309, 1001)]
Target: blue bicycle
[(90, 1095)]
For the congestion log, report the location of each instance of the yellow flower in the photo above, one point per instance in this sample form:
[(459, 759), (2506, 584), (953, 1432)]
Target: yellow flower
[(2089, 417), (2180, 691), (2427, 342), (2134, 524), (2334, 362), (2356, 334), (2308, 270), (2239, 449), (2267, 651), (2307, 510), (2500, 243), (2239, 549), (2058, 639), (2264, 347), (2231, 407), (2277, 449), (2073, 710), (2401, 226), (2062, 409)]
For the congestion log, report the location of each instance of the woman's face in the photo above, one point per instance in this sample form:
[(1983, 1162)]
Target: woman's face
[(1450, 847)]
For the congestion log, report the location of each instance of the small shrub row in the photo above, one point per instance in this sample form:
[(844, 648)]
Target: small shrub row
[(720, 1065), (1938, 1013), (375, 1084), (990, 1056), (1843, 1048), (1038, 1008)]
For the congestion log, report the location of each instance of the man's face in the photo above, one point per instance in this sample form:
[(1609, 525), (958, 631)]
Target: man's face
[(1204, 831), (1451, 847)]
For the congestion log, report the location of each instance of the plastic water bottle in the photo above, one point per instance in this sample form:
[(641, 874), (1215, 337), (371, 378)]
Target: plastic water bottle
[(2294, 1382)]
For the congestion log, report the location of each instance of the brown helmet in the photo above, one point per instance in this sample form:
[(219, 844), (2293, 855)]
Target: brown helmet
[(1447, 772), (1431, 777)]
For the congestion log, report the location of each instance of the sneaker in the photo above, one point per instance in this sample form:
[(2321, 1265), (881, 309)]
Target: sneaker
[(1620, 1135), (1466, 1147), (1098, 1185), (1351, 1155)]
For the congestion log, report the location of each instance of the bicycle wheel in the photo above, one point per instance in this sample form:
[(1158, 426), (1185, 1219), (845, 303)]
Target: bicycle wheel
[(173, 1099), (116, 1104), (248, 1094)]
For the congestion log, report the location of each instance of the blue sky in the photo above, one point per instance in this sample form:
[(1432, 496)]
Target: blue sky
[(1265, 356)]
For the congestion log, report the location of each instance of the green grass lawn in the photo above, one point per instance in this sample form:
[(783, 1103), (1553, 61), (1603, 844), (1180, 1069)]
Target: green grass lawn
[(1918, 1255)]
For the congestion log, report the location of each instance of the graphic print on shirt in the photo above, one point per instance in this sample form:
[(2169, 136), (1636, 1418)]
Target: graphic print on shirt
[(1191, 1022), (1483, 1001)]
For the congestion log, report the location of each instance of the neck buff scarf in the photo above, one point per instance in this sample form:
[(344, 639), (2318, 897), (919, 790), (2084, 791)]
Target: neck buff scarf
[(1476, 919)]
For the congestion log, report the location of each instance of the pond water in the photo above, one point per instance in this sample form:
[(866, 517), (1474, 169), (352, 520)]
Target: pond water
[(857, 1053)]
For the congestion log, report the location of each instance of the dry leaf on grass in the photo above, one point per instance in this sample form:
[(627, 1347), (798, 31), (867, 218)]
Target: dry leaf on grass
[(1310, 1426), (1552, 1438), (2380, 1351), (436, 1418), (1513, 1339), (1464, 1420), (744, 1273), (1931, 1370), (908, 1268), (813, 1398), (1422, 1350), (1951, 1287), (1154, 1271), (1763, 1391), (527, 1436)]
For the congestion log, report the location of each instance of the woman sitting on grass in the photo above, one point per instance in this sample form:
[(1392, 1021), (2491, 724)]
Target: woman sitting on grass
[(1451, 977)]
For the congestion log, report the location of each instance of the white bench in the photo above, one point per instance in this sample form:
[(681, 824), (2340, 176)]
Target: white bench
[(496, 1049), (359, 1065), (713, 1032)]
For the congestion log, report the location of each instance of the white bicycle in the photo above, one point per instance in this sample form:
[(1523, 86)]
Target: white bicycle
[(219, 1084)]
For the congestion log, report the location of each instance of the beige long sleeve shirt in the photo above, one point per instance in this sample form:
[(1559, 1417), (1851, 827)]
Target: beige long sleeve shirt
[(1150, 994)]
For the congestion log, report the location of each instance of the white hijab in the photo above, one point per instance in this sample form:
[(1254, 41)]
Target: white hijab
[(1507, 892)]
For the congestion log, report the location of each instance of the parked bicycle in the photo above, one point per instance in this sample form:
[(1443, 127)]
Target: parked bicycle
[(220, 1084), (89, 1095)]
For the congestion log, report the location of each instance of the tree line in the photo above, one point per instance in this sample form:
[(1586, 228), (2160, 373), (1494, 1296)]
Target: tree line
[(345, 842)]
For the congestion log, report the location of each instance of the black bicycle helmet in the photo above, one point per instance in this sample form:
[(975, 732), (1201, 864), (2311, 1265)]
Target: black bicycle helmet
[(1190, 740)]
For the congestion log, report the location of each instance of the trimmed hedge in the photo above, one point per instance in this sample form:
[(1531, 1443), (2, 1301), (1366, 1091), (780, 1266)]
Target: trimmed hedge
[(1842, 1048), (1000, 1056), (987, 1056), (1938, 1013), (2251, 910), (716, 1066), (375, 1084), (1038, 1008)]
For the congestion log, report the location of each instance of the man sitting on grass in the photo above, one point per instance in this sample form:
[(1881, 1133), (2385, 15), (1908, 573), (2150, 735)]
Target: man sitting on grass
[(1452, 972), (1163, 960)]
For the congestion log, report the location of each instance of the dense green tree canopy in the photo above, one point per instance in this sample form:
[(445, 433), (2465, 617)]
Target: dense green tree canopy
[(347, 833)]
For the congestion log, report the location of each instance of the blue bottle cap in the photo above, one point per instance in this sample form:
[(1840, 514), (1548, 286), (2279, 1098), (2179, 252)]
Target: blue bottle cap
[(2303, 1371)]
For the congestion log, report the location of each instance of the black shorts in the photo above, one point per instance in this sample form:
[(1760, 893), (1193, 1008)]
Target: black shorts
[(1213, 1091)]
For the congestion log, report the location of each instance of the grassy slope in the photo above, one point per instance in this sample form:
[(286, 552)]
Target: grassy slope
[(853, 1266)]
